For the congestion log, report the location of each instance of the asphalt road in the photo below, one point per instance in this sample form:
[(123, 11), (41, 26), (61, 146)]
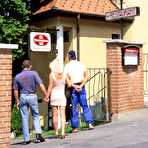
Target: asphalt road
[(130, 132)]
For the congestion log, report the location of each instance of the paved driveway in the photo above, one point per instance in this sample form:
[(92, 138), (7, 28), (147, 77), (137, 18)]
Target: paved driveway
[(130, 132)]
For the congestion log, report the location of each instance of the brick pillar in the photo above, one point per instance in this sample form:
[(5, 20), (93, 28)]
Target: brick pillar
[(5, 93), (127, 82)]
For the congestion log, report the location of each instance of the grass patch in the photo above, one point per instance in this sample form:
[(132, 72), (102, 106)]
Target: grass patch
[(83, 126)]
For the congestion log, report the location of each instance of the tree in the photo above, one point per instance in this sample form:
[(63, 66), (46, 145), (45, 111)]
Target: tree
[(13, 22), (34, 5)]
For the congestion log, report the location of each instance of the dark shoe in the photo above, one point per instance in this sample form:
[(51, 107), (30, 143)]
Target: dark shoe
[(39, 137), (27, 142), (56, 136), (62, 136)]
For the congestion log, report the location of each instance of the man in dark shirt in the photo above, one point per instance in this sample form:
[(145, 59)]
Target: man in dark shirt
[(25, 84)]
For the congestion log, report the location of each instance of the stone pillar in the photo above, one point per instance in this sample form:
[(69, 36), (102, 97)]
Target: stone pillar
[(127, 82), (5, 93)]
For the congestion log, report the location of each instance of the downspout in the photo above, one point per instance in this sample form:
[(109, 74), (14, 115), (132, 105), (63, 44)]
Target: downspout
[(121, 21), (78, 37)]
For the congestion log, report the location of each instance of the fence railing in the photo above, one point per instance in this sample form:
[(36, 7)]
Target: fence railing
[(98, 94), (145, 70)]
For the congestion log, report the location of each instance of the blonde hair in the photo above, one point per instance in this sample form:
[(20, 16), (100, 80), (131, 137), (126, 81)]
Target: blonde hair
[(56, 66)]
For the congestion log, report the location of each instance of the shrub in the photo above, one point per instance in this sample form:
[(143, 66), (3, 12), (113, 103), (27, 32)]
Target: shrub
[(16, 121)]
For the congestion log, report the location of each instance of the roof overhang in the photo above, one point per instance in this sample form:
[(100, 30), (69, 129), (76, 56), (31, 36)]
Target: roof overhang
[(57, 12)]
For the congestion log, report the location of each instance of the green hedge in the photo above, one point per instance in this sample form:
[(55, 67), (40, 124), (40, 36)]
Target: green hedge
[(16, 121)]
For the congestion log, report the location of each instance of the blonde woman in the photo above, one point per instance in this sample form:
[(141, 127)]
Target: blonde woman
[(56, 92)]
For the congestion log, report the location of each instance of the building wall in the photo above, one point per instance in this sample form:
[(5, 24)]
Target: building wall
[(92, 48), (137, 31), (92, 34)]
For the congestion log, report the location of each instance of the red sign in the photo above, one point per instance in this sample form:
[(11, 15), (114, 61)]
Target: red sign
[(122, 13), (130, 55), (131, 50), (40, 40)]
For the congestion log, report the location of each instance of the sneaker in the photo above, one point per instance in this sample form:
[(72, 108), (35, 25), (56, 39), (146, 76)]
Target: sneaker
[(39, 137)]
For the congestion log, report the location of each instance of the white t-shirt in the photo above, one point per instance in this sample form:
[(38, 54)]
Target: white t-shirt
[(76, 70)]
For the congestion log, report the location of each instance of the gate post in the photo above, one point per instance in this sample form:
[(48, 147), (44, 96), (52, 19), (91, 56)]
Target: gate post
[(5, 93), (127, 81)]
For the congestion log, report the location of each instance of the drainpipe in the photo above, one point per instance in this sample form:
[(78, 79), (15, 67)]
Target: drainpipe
[(60, 44), (121, 21), (78, 37)]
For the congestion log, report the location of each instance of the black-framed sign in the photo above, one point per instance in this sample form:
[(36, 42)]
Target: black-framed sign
[(130, 55), (124, 13)]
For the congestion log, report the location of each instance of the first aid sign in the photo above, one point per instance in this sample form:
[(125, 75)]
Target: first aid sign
[(40, 41)]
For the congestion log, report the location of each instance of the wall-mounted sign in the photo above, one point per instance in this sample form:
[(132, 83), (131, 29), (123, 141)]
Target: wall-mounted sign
[(130, 55), (40, 41), (129, 12)]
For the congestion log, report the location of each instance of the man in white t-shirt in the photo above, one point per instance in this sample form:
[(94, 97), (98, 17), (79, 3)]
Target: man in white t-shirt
[(78, 76)]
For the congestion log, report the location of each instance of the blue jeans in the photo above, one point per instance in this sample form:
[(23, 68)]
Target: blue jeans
[(81, 98), (26, 101)]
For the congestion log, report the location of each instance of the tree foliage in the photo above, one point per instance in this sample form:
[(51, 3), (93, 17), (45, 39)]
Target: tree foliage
[(13, 22)]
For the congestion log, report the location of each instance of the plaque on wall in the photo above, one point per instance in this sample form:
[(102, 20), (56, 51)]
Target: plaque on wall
[(130, 55)]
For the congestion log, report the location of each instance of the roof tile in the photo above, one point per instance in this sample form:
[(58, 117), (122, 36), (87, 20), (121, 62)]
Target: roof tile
[(96, 7)]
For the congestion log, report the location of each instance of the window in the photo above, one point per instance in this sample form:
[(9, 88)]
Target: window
[(115, 36), (66, 36), (54, 37)]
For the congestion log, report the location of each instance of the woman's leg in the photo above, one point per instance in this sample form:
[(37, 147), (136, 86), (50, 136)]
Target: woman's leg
[(55, 118), (63, 119)]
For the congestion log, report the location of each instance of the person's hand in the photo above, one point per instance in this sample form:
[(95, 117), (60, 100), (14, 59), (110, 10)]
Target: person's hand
[(69, 85), (78, 88), (46, 100), (18, 105)]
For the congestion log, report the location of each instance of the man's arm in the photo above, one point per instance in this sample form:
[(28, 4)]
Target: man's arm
[(78, 88), (84, 81), (46, 99), (86, 78), (42, 87), (16, 95)]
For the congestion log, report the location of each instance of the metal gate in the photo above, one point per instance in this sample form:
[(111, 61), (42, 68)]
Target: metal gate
[(98, 94), (145, 62)]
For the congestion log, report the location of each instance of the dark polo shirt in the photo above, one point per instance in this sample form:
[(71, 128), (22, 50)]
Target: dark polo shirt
[(26, 81)]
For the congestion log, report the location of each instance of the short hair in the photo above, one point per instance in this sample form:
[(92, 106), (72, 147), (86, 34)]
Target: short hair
[(72, 54), (26, 63), (56, 66)]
